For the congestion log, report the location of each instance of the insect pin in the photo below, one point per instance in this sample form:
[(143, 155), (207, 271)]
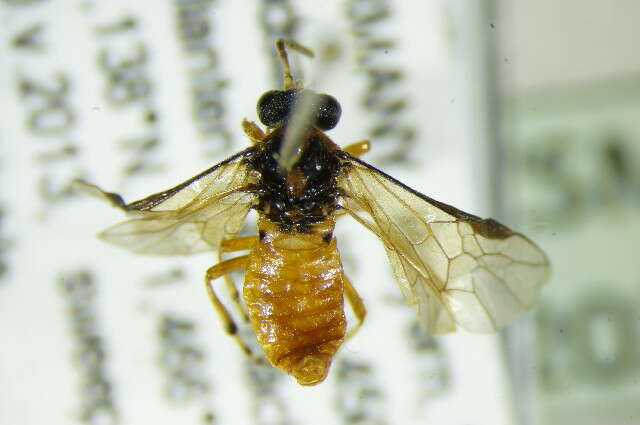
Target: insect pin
[(459, 270)]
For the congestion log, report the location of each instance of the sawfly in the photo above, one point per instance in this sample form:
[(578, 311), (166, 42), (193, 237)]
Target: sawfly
[(459, 270)]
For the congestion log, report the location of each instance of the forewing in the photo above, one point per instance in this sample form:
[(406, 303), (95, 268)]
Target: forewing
[(457, 268), (191, 217)]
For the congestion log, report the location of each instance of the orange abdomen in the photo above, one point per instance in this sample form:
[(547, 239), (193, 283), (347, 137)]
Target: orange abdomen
[(293, 291)]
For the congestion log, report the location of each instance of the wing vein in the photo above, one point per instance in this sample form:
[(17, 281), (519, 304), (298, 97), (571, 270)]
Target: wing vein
[(437, 251)]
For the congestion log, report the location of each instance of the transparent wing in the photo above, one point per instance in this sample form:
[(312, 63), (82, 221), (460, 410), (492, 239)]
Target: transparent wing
[(191, 217), (459, 269)]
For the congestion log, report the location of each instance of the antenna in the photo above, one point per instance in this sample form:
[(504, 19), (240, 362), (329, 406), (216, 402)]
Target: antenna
[(299, 121), (281, 48), (289, 154)]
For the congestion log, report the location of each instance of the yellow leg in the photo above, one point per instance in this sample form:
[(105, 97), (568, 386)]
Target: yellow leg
[(222, 269), (238, 244), (356, 304), (339, 213), (252, 130), (358, 148), (233, 245)]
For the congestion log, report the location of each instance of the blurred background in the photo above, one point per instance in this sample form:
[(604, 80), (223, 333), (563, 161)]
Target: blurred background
[(524, 111)]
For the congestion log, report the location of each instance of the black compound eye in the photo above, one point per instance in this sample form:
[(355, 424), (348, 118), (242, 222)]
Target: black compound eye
[(328, 112), (274, 107)]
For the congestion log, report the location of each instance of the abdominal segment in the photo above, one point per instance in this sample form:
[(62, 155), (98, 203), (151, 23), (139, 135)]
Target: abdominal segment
[(294, 298)]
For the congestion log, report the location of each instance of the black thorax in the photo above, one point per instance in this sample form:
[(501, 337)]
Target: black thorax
[(305, 195)]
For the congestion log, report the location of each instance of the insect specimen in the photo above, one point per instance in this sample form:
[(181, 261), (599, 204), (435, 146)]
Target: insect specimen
[(458, 269)]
